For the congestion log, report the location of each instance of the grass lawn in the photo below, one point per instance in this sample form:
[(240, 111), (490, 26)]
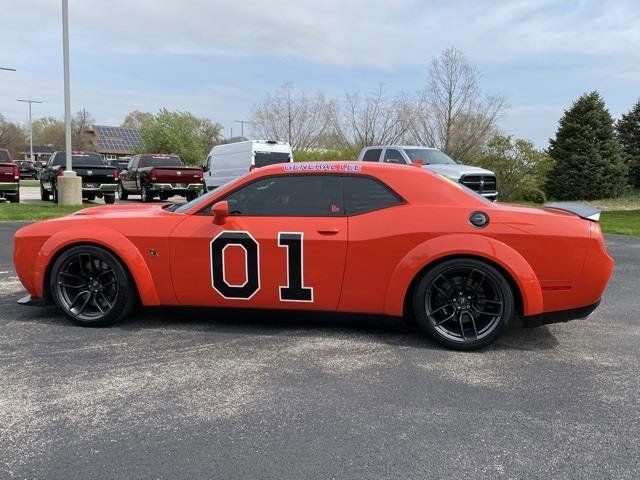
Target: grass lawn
[(36, 211), (29, 183), (625, 222)]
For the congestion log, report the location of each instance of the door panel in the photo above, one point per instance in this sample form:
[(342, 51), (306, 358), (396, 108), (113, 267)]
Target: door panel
[(300, 262)]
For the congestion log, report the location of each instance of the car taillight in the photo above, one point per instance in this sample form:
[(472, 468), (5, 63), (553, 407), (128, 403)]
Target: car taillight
[(116, 175), (59, 172), (16, 172)]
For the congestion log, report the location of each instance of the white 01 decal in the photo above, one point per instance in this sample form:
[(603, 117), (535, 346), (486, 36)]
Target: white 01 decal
[(293, 291)]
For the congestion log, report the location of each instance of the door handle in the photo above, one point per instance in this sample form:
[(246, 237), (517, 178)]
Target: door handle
[(328, 231)]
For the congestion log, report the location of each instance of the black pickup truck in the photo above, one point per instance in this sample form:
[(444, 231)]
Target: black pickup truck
[(160, 175), (98, 180)]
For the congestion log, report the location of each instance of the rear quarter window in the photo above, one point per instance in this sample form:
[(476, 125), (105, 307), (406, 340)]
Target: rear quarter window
[(372, 155), (364, 194)]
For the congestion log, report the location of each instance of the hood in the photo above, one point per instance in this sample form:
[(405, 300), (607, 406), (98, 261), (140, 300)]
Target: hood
[(129, 210), (457, 171)]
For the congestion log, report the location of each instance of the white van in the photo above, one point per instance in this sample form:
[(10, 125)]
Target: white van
[(232, 160)]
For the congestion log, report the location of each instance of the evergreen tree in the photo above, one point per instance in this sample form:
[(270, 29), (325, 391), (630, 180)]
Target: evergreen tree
[(588, 156), (628, 129)]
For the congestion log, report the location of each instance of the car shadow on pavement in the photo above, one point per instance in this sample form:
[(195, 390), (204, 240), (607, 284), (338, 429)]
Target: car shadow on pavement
[(390, 330)]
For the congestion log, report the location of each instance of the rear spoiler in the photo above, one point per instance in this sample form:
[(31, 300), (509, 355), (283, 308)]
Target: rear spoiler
[(582, 210)]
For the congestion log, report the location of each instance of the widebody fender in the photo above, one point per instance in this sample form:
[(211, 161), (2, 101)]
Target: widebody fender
[(111, 240), (464, 244)]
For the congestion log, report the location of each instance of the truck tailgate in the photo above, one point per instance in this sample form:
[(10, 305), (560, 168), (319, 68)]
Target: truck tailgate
[(177, 174), (6, 172), (95, 175)]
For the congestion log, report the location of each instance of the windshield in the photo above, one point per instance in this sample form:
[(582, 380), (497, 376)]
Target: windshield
[(160, 161), (262, 159), (429, 156), (183, 207), (4, 156)]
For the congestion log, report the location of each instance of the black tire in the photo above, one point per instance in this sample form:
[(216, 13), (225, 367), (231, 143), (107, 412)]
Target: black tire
[(122, 193), (54, 189), (164, 196), (463, 303), (91, 197), (15, 198), (91, 286), (44, 194), (110, 199), (145, 194), (191, 196)]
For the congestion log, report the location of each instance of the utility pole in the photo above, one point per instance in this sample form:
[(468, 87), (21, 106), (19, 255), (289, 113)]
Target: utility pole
[(242, 122), (29, 101)]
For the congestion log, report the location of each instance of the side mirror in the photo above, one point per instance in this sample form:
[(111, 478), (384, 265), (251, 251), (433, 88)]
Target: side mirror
[(205, 167), (220, 212)]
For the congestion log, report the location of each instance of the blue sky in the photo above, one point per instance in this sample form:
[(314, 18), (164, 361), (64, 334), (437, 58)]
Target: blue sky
[(218, 58)]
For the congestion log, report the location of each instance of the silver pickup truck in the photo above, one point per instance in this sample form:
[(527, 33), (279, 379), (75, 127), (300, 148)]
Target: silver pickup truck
[(477, 179)]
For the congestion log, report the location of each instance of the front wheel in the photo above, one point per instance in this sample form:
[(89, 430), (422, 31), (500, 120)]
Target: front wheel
[(91, 286), (145, 194), (463, 303)]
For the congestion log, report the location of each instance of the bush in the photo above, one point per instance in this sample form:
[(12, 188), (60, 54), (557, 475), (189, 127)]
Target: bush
[(534, 195), (518, 165)]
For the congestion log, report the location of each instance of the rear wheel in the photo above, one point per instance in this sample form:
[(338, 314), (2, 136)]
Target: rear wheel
[(44, 194), (110, 199), (463, 303), (91, 286), (191, 196), (91, 196), (15, 198), (164, 196), (122, 193), (54, 188)]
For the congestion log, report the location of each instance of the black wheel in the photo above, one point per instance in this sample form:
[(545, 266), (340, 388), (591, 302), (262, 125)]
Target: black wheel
[(54, 188), (122, 193), (91, 286), (44, 194), (164, 197), (463, 303), (145, 194), (110, 199), (191, 196), (91, 197), (15, 198)]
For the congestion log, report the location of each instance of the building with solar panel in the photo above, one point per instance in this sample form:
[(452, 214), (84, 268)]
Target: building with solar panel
[(114, 142)]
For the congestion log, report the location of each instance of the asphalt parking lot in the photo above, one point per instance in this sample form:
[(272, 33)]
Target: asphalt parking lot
[(32, 195), (211, 394)]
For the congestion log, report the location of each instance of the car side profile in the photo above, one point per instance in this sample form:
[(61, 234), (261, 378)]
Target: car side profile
[(338, 237)]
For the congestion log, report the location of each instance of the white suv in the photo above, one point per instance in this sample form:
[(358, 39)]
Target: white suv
[(477, 179)]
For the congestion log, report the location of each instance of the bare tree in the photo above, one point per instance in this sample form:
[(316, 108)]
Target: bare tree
[(451, 113), (80, 123), (296, 117), (136, 118), (12, 136), (373, 120)]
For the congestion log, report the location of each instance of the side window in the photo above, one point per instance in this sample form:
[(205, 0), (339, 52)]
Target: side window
[(296, 195), (364, 194), (372, 155), (391, 155)]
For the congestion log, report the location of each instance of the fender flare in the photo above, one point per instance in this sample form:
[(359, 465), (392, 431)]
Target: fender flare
[(464, 244), (107, 238)]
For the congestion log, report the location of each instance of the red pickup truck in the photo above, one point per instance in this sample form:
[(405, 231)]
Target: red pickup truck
[(9, 177), (161, 175)]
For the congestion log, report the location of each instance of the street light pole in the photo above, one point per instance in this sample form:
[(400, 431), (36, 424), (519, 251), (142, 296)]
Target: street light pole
[(67, 89), (29, 101), (69, 185)]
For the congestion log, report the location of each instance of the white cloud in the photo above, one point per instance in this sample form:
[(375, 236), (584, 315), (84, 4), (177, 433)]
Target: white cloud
[(378, 33)]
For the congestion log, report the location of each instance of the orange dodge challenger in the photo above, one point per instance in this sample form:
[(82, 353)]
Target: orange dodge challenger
[(343, 236)]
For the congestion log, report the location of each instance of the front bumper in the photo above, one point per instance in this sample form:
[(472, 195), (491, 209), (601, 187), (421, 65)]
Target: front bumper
[(176, 187), (559, 316)]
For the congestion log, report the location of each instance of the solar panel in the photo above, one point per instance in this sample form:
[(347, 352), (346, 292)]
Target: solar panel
[(117, 138)]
